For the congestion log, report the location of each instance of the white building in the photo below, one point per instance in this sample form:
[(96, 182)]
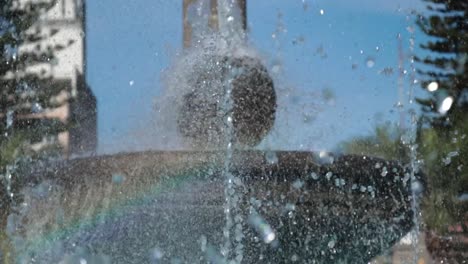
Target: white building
[(64, 30)]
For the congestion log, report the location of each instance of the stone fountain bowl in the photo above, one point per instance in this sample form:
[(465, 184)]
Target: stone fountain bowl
[(169, 207)]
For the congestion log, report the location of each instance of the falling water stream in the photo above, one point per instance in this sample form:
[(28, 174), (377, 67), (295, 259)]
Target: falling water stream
[(409, 133), (233, 230), (416, 187), (233, 221), (231, 31)]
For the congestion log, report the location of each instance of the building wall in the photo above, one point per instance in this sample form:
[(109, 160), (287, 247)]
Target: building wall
[(83, 132), (64, 29)]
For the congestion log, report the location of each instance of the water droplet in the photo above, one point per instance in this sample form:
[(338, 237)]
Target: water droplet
[(118, 178), (269, 237), (294, 258), (262, 227), (156, 255), (131, 83), (230, 18), (416, 187), (384, 172), (36, 107), (314, 176), (203, 243), (271, 157), (290, 207), (446, 105), (322, 12), (298, 184), (329, 175), (432, 86), (276, 69), (324, 156), (337, 183), (447, 160), (9, 119), (370, 62)]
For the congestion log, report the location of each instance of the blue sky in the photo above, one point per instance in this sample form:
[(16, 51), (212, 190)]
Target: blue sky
[(343, 50)]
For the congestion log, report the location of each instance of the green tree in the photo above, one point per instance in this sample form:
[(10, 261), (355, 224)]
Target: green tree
[(447, 60), (443, 139), (384, 143), (23, 94)]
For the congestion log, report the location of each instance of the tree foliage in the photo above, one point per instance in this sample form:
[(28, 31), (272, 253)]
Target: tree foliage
[(442, 136), (446, 63), (443, 139), (384, 143), (23, 93)]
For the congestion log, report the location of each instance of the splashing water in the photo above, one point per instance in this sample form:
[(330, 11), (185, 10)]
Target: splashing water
[(232, 198), (265, 231), (204, 76), (227, 44), (231, 30), (211, 53), (412, 146)]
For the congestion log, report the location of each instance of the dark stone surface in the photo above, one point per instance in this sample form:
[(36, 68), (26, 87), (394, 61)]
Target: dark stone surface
[(341, 210)]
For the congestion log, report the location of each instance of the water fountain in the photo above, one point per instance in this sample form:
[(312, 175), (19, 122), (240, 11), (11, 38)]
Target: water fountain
[(227, 205)]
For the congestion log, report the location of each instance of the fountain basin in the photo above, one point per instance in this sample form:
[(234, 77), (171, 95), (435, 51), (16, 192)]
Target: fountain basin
[(169, 206)]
